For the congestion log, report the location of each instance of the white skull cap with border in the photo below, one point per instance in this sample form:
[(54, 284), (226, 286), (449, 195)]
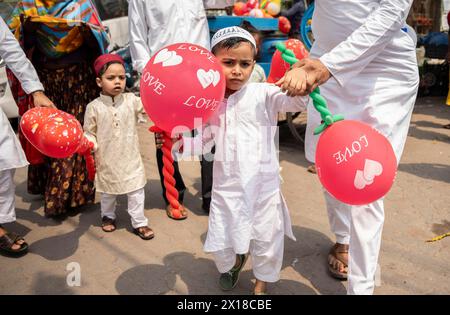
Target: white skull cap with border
[(229, 32)]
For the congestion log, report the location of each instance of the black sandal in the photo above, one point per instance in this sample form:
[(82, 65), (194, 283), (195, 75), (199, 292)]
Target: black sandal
[(8, 240), (106, 222), (142, 235)]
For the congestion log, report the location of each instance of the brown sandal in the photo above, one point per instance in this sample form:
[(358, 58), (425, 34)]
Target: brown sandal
[(8, 240), (312, 169), (108, 222), (335, 258), (176, 214), (142, 232)]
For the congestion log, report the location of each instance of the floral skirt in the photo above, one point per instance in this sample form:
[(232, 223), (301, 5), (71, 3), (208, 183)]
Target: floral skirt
[(64, 182)]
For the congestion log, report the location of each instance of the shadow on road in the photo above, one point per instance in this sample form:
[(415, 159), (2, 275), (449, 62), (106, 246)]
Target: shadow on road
[(438, 172)]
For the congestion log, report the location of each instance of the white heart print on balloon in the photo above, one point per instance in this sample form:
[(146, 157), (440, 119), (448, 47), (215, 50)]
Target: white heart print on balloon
[(170, 58), (167, 58), (208, 78), (367, 176)]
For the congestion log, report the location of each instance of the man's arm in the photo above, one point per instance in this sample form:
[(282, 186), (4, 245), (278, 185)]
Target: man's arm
[(350, 57), (16, 60), (137, 22)]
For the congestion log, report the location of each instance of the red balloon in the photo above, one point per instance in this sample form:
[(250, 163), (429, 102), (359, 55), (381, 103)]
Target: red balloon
[(32, 119), (240, 8), (54, 132), (284, 25), (355, 163), (182, 85), (252, 4), (278, 66)]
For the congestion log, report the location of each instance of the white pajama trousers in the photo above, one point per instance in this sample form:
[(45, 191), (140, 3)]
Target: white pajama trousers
[(7, 196), (135, 207), (360, 227), (266, 257)]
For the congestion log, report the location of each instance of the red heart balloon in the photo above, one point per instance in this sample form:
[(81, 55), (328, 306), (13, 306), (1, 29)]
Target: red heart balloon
[(54, 132), (240, 8), (252, 4), (278, 66), (284, 25), (355, 163), (182, 85)]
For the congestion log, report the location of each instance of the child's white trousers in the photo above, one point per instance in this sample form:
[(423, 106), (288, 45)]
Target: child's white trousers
[(135, 207), (266, 257)]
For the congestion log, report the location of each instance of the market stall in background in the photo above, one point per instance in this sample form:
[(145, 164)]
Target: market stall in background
[(429, 20)]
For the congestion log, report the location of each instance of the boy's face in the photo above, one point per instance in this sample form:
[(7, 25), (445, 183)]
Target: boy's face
[(237, 64), (112, 82)]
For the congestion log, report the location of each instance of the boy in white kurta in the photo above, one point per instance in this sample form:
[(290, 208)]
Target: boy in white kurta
[(248, 212), (110, 123)]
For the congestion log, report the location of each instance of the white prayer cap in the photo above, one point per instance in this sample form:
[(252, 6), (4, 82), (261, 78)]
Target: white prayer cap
[(229, 32)]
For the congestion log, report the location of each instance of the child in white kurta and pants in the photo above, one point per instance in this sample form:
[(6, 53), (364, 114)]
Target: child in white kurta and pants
[(110, 123), (248, 211)]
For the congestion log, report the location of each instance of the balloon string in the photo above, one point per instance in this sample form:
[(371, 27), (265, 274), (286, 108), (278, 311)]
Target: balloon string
[(320, 104), (168, 171)]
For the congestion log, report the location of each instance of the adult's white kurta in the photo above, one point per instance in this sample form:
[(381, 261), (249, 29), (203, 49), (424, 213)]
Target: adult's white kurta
[(155, 24), (246, 198), (111, 126), (373, 63), (11, 153)]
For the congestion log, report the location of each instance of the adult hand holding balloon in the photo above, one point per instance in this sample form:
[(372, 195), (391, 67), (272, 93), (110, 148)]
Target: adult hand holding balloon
[(279, 65), (181, 87), (355, 163), (57, 134)]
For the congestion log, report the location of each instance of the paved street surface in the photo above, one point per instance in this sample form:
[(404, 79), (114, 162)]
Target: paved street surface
[(417, 209)]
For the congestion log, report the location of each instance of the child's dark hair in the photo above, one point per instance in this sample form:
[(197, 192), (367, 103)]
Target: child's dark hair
[(106, 66), (248, 26), (232, 43)]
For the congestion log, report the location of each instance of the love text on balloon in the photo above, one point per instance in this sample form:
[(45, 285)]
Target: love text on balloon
[(197, 49), (349, 151), (153, 82), (202, 103)]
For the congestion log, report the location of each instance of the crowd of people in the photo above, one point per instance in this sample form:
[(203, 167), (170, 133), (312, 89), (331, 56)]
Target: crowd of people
[(362, 59)]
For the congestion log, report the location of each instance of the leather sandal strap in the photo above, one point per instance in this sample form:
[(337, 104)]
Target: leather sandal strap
[(9, 239), (108, 221)]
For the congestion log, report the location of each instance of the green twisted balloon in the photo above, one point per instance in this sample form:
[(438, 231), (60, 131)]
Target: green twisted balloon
[(320, 104)]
